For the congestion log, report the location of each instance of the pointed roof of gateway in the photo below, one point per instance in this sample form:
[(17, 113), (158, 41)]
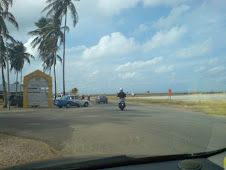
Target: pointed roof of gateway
[(38, 73)]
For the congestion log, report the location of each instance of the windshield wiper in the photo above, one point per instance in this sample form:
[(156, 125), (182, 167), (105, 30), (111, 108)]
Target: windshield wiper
[(207, 154)]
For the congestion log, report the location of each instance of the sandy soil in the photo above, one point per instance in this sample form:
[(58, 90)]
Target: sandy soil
[(13, 149)]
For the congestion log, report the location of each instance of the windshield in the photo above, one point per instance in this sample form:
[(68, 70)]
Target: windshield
[(160, 64), (65, 97)]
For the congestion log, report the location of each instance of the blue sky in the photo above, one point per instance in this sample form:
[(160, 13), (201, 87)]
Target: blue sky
[(140, 45)]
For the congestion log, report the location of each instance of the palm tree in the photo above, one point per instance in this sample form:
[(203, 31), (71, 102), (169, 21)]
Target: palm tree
[(48, 38), (18, 56), (3, 63), (60, 8), (5, 15)]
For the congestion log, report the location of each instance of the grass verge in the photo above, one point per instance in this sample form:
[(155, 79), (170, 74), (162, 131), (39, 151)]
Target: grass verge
[(209, 107)]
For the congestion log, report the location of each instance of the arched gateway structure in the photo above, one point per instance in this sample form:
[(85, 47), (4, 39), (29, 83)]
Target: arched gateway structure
[(37, 90)]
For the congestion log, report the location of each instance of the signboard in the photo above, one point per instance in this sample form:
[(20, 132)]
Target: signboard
[(170, 92), (38, 91), (75, 91)]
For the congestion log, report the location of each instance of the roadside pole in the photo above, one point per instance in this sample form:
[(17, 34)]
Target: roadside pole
[(7, 61), (170, 94)]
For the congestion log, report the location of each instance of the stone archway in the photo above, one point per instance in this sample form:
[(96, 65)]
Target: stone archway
[(37, 90)]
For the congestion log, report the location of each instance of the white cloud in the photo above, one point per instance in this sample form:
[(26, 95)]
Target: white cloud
[(164, 69), (161, 2), (213, 61), (117, 44), (30, 50), (76, 49), (109, 7), (200, 69), (122, 21), (139, 64), (174, 15), (217, 70), (165, 38), (26, 13), (172, 77), (130, 75), (93, 74), (141, 28), (194, 50), (114, 45)]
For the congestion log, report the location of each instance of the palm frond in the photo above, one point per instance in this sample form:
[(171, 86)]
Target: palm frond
[(8, 37), (4, 29), (48, 6), (59, 58), (66, 28), (6, 4), (74, 13), (10, 18)]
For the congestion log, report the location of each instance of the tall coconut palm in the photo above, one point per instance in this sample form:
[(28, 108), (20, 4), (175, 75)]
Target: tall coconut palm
[(18, 56), (3, 63), (60, 8), (5, 16), (48, 38)]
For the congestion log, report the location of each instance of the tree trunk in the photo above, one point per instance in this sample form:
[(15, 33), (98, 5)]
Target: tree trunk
[(4, 88), (65, 24), (3, 79), (21, 80), (16, 81), (8, 84), (55, 81)]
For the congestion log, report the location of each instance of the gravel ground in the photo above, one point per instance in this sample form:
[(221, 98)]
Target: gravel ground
[(12, 151)]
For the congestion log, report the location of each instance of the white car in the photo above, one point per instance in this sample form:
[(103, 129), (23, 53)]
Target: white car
[(72, 100), (77, 101)]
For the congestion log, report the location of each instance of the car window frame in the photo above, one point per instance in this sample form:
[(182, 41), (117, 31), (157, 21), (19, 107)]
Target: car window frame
[(77, 98)]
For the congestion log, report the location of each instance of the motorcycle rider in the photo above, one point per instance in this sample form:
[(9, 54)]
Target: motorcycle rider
[(121, 95)]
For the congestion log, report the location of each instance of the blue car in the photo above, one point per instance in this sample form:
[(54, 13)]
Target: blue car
[(69, 101)]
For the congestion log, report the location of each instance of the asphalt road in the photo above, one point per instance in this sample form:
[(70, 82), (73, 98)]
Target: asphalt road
[(105, 130)]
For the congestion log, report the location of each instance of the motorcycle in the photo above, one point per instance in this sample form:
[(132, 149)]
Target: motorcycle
[(122, 104)]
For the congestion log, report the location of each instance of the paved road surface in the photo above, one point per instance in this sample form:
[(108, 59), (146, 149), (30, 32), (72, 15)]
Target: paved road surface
[(103, 129), (195, 97)]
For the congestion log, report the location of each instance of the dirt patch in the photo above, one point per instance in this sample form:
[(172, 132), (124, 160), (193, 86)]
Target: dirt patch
[(15, 150)]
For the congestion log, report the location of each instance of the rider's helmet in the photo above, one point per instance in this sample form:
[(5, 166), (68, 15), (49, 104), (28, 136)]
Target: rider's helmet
[(121, 89)]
